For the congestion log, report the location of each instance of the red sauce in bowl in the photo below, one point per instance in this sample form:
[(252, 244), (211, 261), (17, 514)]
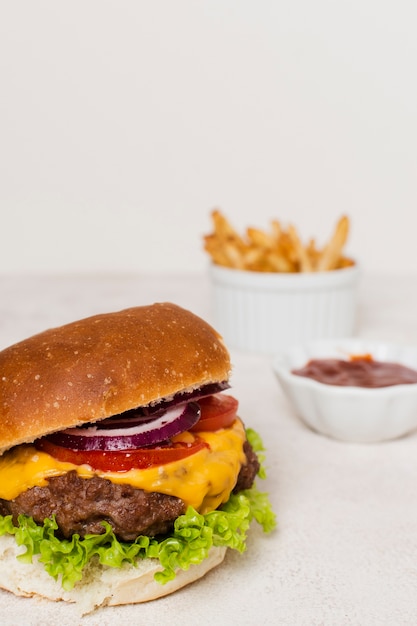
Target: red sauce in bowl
[(358, 371)]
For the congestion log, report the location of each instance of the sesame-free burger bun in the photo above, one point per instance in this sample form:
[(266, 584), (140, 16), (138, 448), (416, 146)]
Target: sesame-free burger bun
[(104, 365), (101, 585)]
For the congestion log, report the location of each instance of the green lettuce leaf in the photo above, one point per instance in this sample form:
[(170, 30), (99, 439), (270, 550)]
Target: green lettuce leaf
[(193, 536)]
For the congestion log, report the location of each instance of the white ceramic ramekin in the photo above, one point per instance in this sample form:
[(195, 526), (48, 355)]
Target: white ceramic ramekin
[(353, 414), (266, 312)]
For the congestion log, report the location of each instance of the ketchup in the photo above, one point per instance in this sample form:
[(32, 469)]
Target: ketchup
[(358, 371)]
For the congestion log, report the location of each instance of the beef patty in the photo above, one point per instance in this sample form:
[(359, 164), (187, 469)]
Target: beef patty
[(81, 504)]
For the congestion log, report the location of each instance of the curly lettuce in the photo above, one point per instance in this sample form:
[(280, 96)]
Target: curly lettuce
[(193, 536)]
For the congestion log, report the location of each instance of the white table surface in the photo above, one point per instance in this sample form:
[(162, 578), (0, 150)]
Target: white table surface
[(345, 551)]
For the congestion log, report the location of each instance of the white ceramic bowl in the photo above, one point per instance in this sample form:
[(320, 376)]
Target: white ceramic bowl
[(267, 312), (353, 414)]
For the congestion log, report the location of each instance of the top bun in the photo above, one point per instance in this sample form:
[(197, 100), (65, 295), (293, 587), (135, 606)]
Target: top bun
[(102, 366)]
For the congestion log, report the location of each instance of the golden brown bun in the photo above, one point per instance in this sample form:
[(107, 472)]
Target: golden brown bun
[(101, 585), (103, 365)]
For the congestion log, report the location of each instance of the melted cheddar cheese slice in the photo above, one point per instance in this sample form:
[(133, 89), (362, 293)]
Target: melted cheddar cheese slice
[(203, 480)]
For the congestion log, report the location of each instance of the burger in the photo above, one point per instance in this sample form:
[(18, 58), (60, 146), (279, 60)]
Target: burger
[(125, 470)]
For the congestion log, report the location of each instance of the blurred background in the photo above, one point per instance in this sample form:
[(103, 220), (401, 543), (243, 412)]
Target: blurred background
[(123, 123)]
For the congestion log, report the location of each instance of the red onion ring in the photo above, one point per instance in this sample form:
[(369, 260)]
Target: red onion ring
[(149, 412), (130, 434), (206, 390)]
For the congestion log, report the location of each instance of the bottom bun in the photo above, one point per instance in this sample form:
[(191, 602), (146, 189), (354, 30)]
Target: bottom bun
[(101, 585)]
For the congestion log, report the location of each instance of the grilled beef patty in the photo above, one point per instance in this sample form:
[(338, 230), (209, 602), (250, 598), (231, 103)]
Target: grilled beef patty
[(81, 504)]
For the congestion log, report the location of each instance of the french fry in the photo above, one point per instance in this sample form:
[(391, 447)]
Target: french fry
[(345, 262), (225, 230), (224, 245), (253, 259), (215, 250), (301, 252), (287, 250), (279, 263), (259, 238), (276, 230), (313, 253), (234, 254), (274, 250), (333, 251)]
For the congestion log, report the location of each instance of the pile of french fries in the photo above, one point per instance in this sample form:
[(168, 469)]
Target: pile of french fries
[(278, 249)]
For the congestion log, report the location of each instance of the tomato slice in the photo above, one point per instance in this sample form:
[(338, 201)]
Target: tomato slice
[(218, 411), (122, 461)]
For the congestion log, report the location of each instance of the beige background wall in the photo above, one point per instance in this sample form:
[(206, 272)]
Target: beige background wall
[(122, 123)]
